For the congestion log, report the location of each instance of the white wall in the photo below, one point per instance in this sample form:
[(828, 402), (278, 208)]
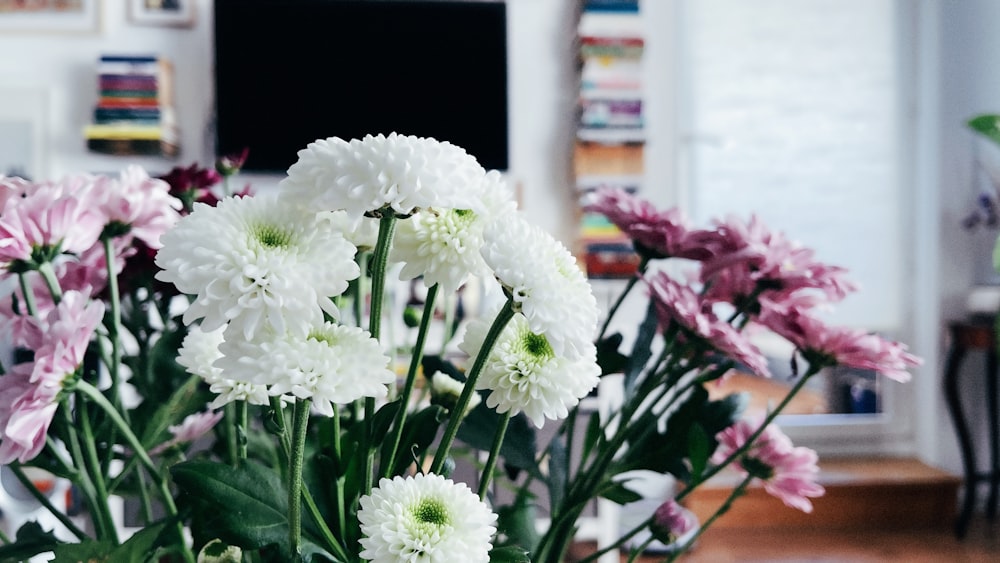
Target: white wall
[(969, 84)]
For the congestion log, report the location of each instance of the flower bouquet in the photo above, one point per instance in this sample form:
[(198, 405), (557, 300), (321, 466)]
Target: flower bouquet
[(247, 395)]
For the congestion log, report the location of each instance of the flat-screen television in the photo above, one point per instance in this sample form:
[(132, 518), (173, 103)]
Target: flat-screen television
[(288, 72)]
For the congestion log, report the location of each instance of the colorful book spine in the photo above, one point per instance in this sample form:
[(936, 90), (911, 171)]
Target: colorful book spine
[(133, 113)]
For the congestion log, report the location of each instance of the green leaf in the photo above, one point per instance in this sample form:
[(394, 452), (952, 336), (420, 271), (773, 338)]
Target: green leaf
[(382, 420), (418, 433), (182, 402), (509, 554), (516, 522), (987, 125), (29, 541), (642, 349), (698, 449), (619, 493), (592, 435), (89, 551), (519, 444), (247, 505), (608, 356)]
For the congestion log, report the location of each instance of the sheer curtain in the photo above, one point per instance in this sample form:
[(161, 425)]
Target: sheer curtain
[(791, 110)]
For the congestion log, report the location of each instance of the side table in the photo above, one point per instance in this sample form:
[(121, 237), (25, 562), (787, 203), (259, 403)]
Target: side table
[(974, 334)]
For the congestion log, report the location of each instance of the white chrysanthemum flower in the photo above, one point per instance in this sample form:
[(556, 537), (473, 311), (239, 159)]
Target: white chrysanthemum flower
[(443, 245), (446, 390), (332, 364), (425, 519), (405, 173), (198, 353), (524, 373), (257, 262), (545, 283), (362, 232)]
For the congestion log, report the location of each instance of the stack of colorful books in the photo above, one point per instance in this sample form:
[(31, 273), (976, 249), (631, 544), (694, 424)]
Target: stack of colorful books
[(610, 135), (134, 114)]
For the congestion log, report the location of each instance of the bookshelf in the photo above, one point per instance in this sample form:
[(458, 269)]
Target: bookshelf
[(134, 114), (610, 134)]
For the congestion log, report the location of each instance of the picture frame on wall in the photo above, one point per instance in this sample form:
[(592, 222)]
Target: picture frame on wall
[(50, 16), (24, 132), (163, 13)]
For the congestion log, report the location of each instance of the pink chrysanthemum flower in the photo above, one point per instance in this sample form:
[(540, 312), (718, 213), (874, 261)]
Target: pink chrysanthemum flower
[(29, 394), (676, 303), (51, 218), (842, 346), (671, 521), (193, 426), (26, 411), (660, 234), (788, 472), (61, 340), (136, 205), (749, 257)]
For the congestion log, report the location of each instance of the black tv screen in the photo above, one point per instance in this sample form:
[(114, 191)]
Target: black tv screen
[(288, 72)]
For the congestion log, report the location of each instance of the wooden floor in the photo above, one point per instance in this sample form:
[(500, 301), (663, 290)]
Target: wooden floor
[(981, 545), (874, 510)]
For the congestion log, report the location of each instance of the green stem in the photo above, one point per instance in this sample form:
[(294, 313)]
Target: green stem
[(232, 448), (711, 472), (300, 425), (281, 426), (621, 298), (93, 465), (496, 329), (49, 275), (638, 528), (411, 378), (115, 326), (737, 492), (491, 462), (325, 531), (133, 441), (361, 294), (637, 551), (79, 461), (27, 294), (380, 261), (44, 501), (242, 421), (341, 516)]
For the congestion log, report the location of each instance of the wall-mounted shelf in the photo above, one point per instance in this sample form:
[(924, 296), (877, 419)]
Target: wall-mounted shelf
[(134, 114)]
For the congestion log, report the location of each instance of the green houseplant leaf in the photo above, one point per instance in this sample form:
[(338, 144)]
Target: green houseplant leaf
[(245, 506), (988, 125)]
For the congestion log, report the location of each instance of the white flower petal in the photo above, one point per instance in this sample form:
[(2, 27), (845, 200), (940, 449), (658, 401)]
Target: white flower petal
[(425, 518), (524, 374), (545, 282), (405, 173), (257, 263)]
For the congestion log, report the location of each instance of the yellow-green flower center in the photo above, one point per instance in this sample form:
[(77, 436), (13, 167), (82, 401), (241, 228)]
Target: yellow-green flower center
[(322, 336), (536, 345), (431, 511), (272, 236)]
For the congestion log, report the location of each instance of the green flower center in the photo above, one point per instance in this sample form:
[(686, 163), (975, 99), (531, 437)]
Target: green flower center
[(271, 236), (321, 336), (536, 345), (431, 511)]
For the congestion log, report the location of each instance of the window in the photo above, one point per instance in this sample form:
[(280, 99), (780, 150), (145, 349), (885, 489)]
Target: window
[(794, 110)]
